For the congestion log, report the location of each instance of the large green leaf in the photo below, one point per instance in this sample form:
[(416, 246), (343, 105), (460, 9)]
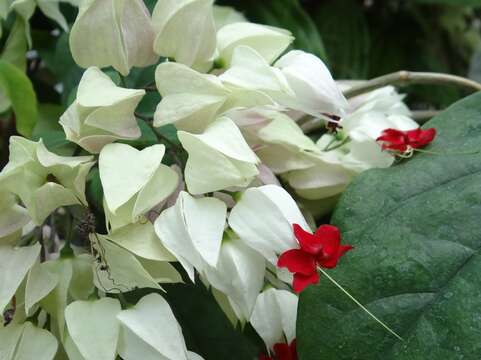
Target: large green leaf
[(19, 90), (287, 14), (416, 233)]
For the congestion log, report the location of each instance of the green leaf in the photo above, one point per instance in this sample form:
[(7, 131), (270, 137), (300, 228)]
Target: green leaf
[(206, 329), (16, 46), (287, 14), (346, 37), (415, 263), (95, 192), (19, 90)]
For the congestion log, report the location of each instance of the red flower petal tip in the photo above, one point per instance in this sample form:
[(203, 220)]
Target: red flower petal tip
[(323, 248), (405, 141), (282, 352)]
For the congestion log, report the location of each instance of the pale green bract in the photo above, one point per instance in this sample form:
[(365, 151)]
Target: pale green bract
[(115, 33), (102, 112), (43, 180)]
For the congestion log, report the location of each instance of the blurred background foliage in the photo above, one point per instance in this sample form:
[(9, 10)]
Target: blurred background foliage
[(358, 39)]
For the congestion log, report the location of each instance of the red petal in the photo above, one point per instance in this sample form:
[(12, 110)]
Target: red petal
[(309, 242), (421, 137), (393, 139), (330, 238), (297, 261), (332, 261), (293, 347), (282, 351), (302, 281)]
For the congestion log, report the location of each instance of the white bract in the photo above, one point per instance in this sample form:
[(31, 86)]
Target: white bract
[(185, 31), (219, 158), (192, 100), (94, 328), (270, 42), (14, 266), (115, 33), (225, 15), (270, 234), (26, 341), (315, 90), (149, 330), (192, 231), (43, 180), (102, 112), (239, 274), (274, 316), (133, 181)]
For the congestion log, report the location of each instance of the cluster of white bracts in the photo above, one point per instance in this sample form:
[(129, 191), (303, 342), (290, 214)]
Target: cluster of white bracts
[(229, 91)]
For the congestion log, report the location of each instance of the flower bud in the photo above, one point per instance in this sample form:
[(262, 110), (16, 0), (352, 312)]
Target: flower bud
[(268, 41), (218, 159), (102, 112), (185, 32), (133, 181), (115, 33), (43, 180)]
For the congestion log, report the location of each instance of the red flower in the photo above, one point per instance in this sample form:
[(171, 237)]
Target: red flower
[(282, 352), (404, 141), (320, 249)]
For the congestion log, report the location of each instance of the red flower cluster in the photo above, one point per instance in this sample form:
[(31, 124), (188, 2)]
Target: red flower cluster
[(403, 141), (282, 352), (323, 248)]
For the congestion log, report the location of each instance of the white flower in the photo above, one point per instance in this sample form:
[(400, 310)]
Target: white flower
[(274, 316), (192, 231), (298, 80), (270, 42), (186, 32), (218, 159), (315, 90), (102, 112), (43, 180), (270, 234), (116, 33), (133, 181)]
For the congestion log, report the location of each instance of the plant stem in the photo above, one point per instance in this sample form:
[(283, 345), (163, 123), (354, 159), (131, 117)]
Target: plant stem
[(360, 305), (403, 77)]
